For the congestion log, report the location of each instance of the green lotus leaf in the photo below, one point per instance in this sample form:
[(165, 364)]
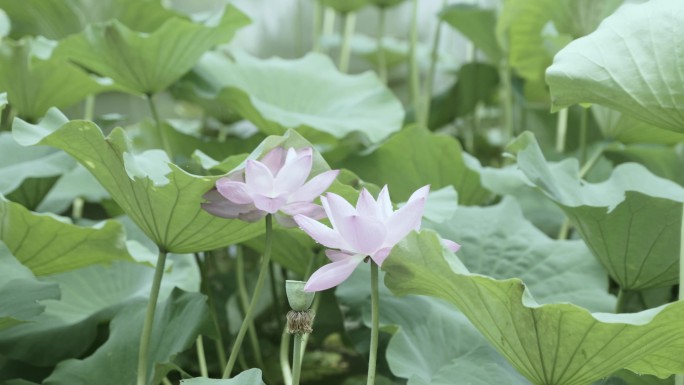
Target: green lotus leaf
[(415, 157), (57, 19), (49, 245), (345, 6), (386, 3), (499, 242), (147, 63), (90, 296), (20, 291), (163, 200), (35, 78), (664, 161), (248, 377), (476, 23), (622, 67), (306, 94), (630, 222), (629, 130), (524, 28), (559, 344), (180, 319)]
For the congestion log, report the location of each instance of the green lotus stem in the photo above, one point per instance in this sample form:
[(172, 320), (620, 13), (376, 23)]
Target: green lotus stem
[(162, 134), (7, 118), (561, 129), (591, 162), (583, 135), (429, 82), (89, 107), (149, 319), (679, 378), (206, 289), (375, 324), (413, 61), (77, 208), (317, 28), (296, 359), (255, 298), (166, 381), (345, 49), (244, 302), (506, 98), (284, 357), (621, 301), (328, 22), (201, 357), (382, 60), (564, 230)]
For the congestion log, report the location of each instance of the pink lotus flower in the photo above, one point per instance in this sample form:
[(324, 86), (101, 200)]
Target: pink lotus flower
[(370, 229), (276, 184)]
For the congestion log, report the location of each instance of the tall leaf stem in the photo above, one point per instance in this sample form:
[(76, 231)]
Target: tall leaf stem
[(201, 357), (561, 129), (89, 107), (583, 135), (162, 134), (429, 82), (413, 61), (347, 34), (679, 378), (249, 314), (296, 359), (244, 302), (317, 26), (328, 22), (382, 60), (285, 368), (146, 336), (375, 324)]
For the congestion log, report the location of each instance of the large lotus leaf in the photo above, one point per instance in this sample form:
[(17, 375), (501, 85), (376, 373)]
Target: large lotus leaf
[(57, 19), (48, 245), (524, 27), (307, 94), (476, 23), (499, 242), (19, 164), (629, 130), (20, 291), (163, 200), (552, 344), (509, 180), (35, 79), (178, 322), (248, 377), (664, 161), (90, 296), (623, 67), (417, 350), (416, 157), (630, 222), (149, 62), (77, 183), (345, 6)]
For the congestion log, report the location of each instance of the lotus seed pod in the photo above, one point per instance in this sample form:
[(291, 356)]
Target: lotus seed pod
[(299, 299)]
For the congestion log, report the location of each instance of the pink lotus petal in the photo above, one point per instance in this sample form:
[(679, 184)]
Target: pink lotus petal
[(258, 178), (314, 187), (366, 205), (221, 207), (337, 255), (451, 245), (233, 191), (320, 232), (268, 204), (332, 274), (274, 159), (307, 209), (384, 203), (380, 255), (364, 234), (293, 174), (290, 156), (252, 216), (407, 218), (337, 208)]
